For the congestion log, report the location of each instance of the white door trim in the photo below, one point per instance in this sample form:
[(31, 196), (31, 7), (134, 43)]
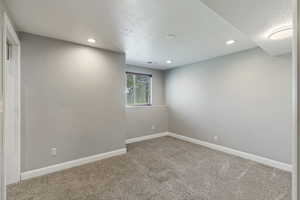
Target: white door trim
[(10, 33), (296, 108)]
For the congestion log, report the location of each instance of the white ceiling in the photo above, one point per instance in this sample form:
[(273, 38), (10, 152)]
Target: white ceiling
[(140, 27), (256, 18)]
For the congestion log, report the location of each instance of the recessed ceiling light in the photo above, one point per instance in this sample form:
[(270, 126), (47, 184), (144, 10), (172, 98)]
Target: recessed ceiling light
[(281, 33), (169, 61), (171, 36), (229, 42), (91, 40)]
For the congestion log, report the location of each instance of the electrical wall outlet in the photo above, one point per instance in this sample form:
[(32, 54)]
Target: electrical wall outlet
[(153, 127), (53, 152)]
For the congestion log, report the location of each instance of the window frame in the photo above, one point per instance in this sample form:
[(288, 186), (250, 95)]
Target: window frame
[(150, 98)]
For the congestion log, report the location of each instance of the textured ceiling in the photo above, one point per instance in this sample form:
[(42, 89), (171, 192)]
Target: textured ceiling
[(140, 27), (256, 18)]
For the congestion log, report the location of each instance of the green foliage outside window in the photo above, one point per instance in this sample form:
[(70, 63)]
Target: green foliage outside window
[(138, 89)]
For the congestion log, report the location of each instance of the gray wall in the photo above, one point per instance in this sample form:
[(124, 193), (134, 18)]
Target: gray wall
[(72, 99), (245, 99), (142, 121)]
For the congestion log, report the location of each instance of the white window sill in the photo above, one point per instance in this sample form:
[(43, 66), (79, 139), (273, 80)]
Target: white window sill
[(150, 106)]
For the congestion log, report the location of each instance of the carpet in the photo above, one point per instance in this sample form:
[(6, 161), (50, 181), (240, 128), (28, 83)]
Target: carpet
[(161, 169)]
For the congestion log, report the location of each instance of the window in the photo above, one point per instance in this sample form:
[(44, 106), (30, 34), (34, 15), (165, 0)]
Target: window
[(138, 91)]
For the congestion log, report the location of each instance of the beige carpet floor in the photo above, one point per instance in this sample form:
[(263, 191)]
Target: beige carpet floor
[(161, 169)]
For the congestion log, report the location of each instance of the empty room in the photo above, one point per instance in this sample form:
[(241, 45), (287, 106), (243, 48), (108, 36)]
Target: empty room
[(148, 100)]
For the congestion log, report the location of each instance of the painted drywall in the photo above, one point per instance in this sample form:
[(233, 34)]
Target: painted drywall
[(147, 120), (245, 99), (142, 121), (72, 100)]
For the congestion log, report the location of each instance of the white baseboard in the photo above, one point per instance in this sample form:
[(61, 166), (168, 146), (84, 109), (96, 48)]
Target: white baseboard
[(90, 159), (259, 159), (70, 164), (147, 137)]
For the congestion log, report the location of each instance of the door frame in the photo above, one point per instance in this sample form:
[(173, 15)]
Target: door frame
[(296, 101), (9, 33)]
